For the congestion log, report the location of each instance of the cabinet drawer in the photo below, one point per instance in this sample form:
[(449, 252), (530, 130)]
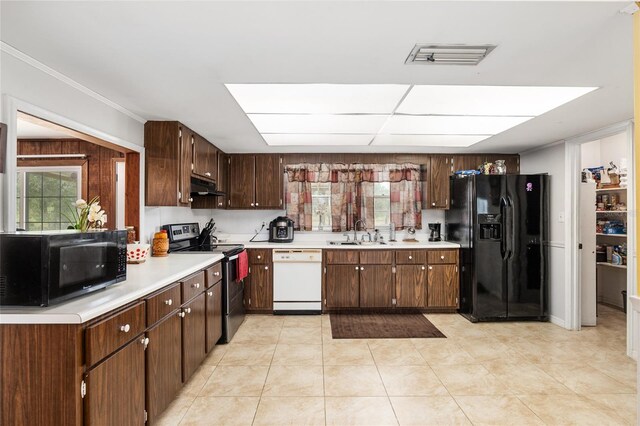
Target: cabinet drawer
[(443, 256), (192, 286), (106, 336), (342, 257), (376, 257), (162, 304), (259, 256), (411, 257), (213, 274)]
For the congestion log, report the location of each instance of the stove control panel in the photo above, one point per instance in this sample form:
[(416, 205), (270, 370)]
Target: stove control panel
[(182, 231)]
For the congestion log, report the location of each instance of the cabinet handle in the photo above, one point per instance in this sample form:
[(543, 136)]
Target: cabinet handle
[(145, 342), (220, 204), (216, 274), (125, 328), (168, 302), (259, 257), (357, 267), (190, 199), (257, 204), (423, 268), (187, 310), (181, 314), (251, 204), (208, 174), (196, 285), (433, 204), (266, 267), (410, 257), (209, 293), (442, 257), (362, 268), (430, 268)]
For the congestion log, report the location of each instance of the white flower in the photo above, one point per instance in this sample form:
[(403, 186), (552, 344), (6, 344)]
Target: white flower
[(81, 204), (104, 219), (95, 207)]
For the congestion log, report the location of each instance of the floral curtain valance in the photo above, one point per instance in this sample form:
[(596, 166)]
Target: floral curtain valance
[(352, 193)]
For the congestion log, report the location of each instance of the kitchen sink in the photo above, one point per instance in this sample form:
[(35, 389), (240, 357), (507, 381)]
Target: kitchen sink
[(356, 243)]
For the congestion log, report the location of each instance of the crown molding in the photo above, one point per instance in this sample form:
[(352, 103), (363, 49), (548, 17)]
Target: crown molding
[(7, 48)]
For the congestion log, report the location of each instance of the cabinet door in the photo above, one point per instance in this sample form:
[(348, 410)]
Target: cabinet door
[(268, 181), (411, 286), (193, 336), (376, 286), (115, 388), (443, 286), (201, 156), (342, 285), (184, 171), (261, 293), (164, 365), (223, 180), (242, 181), (467, 162), (440, 171), (213, 326)]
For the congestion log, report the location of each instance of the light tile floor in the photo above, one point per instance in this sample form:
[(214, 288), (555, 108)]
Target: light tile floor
[(289, 371)]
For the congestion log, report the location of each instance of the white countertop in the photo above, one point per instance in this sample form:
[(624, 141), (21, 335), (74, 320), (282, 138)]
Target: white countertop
[(142, 279), (325, 245)]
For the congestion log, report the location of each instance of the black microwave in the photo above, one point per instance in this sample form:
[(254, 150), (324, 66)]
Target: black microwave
[(41, 268)]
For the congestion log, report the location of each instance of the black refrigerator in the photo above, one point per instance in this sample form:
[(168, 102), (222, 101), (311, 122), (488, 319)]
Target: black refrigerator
[(501, 224)]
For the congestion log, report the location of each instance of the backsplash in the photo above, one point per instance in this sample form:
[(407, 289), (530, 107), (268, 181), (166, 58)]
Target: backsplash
[(241, 221)]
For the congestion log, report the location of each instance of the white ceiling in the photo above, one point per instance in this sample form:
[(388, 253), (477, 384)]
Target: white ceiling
[(170, 60), (27, 130)]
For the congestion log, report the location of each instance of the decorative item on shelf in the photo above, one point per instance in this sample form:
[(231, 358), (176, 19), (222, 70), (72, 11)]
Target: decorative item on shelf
[(623, 173), (614, 227), (160, 244), (612, 173), (500, 167), (87, 216), (488, 168), (137, 253), (131, 234)]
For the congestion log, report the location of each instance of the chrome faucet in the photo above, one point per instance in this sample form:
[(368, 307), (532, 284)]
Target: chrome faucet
[(355, 228)]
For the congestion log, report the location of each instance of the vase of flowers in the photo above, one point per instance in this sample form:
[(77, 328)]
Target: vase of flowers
[(87, 216)]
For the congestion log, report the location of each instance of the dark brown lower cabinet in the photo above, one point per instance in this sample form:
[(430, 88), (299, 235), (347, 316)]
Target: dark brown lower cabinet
[(261, 287), (411, 286), (193, 335), (213, 325), (116, 388), (376, 286), (443, 286), (164, 365), (342, 286)]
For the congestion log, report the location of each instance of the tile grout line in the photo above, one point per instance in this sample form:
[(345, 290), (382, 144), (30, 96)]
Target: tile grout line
[(324, 387), (267, 376), (383, 385)]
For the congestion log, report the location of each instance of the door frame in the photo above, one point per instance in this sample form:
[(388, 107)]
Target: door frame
[(572, 227), (11, 108)]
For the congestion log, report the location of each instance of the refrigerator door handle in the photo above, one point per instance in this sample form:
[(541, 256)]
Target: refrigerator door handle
[(511, 228), (503, 237)]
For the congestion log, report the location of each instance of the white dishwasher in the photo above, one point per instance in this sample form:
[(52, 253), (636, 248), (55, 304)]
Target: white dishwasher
[(297, 281)]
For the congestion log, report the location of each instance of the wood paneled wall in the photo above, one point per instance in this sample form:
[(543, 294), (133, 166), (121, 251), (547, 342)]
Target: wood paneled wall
[(101, 167)]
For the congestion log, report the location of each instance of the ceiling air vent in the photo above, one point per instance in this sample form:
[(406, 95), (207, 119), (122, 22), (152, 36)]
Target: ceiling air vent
[(448, 54)]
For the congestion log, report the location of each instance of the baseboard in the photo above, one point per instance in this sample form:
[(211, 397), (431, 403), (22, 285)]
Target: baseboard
[(557, 321)]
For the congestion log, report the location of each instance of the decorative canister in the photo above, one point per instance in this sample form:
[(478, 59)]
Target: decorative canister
[(131, 234), (160, 244), (501, 168)]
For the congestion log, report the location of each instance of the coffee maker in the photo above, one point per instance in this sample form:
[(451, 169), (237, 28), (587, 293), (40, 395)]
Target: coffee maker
[(435, 232)]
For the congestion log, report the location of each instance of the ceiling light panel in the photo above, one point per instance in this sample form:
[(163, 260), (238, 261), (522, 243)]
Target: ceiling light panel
[(318, 98), (316, 139), (317, 123), (449, 125), (488, 100), (459, 141)]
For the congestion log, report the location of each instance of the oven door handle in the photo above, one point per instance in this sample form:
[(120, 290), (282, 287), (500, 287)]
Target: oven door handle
[(233, 257)]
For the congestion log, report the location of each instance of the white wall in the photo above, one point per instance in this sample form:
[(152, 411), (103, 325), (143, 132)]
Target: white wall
[(551, 160)]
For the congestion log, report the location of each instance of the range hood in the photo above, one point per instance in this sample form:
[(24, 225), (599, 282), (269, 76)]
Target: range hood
[(203, 187)]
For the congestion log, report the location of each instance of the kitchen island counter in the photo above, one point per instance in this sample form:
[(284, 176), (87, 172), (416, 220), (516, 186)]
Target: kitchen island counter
[(325, 245), (142, 279)]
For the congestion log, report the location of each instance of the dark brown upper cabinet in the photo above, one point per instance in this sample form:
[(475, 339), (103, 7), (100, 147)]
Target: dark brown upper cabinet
[(223, 180), (255, 181), (168, 158), (205, 159), (438, 196), (468, 162)]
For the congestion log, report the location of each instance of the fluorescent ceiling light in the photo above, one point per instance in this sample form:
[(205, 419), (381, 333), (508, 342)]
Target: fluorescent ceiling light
[(316, 140), (429, 140), (317, 123), (488, 100), (318, 98), (449, 125)]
